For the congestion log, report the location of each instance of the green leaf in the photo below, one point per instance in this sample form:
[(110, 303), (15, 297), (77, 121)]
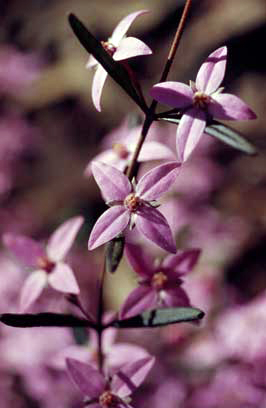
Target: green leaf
[(114, 253), (230, 137), (44, 320), (114, 68), (224, 133), (160, 317)]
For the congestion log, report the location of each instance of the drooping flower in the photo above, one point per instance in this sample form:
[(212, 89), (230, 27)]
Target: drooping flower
[(133, 206), (200, 101), (120, 48), (47, 263), (160, 284), (113, 392), (120, 153)]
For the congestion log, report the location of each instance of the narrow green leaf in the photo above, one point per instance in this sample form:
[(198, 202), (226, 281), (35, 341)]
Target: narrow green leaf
[(224, 133), (44, 320), (114, 253), (160, 317), (115, 69), (230, 137)]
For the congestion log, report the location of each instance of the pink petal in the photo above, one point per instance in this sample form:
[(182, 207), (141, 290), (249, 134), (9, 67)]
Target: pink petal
[(175, 297), (63, 279), (97, 86), (131, 47), (122, 353), (123, 26), (114, 185), (174, 94), (92, 62), (131, 376), (139, 260), (62, 239), (107, 157), (89, 380), (182, 262), (25, 249), (211, 72), (139, 300), (109, 225), (157, 181), (189, 132), (32, 288), (154, 151), (228, 106), (152, 224)]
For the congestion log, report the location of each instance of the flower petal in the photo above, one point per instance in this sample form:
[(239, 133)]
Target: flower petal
[(89, 380), (139, 300), (157, 181), (25, 249), (139, 260), (63, 237), (130, 47), (182, 262), (174, 94), (63, 279), (228, 106), (175, 297), (92, 62), (189, 132), (114, 185), (126, 380), (154, 151), (97, 86), (211, 72), (152, 224), (122, 353), (31, 289), (123, 26), (109, 225), (107, 157)]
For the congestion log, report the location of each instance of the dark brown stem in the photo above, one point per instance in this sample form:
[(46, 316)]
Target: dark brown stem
[(150, 116)]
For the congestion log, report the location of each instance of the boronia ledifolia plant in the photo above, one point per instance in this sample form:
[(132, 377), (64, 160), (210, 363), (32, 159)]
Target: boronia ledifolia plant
[(133, 202)]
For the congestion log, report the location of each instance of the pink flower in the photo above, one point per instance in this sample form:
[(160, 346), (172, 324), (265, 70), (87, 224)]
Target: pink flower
[(120, 48), (160, 284), (122, 150), (133, 206), (200, 101), (47, 263), (112, 392)]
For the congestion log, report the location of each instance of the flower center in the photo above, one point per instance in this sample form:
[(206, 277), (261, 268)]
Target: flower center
[(132, 202), (107, 399), (201, 100), (44, 263), (120, 150), (159, 279), (109, 47)]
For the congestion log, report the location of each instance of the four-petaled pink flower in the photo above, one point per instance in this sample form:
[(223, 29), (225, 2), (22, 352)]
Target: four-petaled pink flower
[(112, 392), (120, 48), (160, 284), (132, 205), (200, 101), (47, 263)]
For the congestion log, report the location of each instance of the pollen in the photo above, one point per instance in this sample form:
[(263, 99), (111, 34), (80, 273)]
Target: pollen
[(109, 47), (121, 150), (109, 400), (132, 202), (159, 280), (201, 100), (46, 264)]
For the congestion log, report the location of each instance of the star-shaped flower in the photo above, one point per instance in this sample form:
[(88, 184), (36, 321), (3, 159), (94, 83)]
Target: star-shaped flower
[(47, 263), (200, 101), (120, 48), (160, 284), (113, 392), (132, 205)]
